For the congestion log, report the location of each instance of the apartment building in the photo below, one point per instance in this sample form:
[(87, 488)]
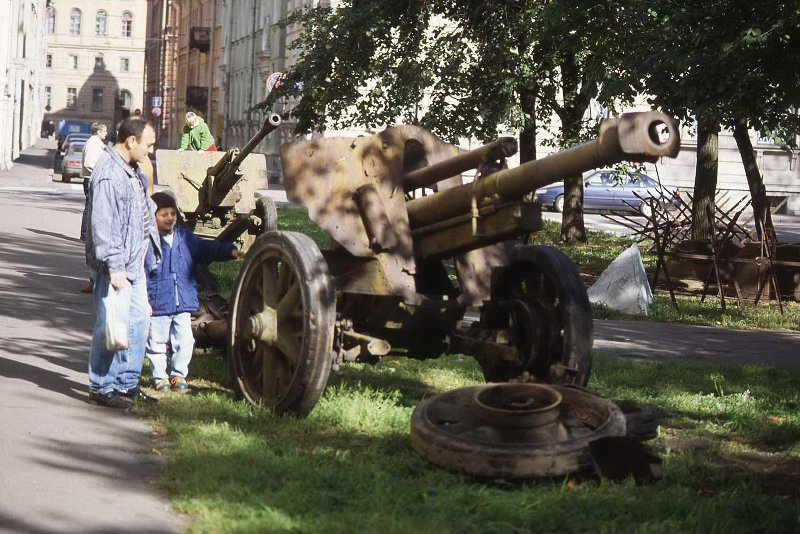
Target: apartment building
[(94, 67), (161, 60), (22, 57)]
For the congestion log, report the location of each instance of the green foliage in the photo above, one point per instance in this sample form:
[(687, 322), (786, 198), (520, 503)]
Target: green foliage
[(719, 61), (456, 68)]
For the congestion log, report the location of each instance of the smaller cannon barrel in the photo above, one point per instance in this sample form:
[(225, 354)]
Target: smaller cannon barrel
[(220, 165), (503, 147), (631, 137), (226, 176)]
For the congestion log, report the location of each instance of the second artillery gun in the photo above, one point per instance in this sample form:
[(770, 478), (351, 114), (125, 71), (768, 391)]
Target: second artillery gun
[(297, 312), (218, 192)]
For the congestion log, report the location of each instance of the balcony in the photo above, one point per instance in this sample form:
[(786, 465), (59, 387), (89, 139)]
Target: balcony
[(197, 97), (200, 39)]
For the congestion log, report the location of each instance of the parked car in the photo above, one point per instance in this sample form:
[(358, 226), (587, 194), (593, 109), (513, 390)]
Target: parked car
[(610, 190), (64, 147), (71, 164), (67, 127)]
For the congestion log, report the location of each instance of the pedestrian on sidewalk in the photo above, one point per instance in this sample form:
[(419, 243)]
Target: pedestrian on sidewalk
[(172, 290), (121, 228), (196, 135), (92, 151)]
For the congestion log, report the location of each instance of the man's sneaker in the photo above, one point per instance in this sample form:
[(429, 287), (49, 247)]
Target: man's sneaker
[(161, 385), (112, 399), (179, 384), (137, 394)]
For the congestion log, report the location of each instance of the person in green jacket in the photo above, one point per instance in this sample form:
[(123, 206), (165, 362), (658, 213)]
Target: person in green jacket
[(196, 135)]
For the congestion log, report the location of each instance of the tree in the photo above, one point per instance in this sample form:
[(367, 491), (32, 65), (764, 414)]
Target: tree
[(722, 64), (474, 65)]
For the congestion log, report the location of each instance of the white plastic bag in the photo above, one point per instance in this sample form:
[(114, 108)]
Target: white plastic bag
[(117, 305)]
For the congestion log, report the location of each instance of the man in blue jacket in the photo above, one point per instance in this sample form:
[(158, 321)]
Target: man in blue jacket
[(120, 231), (172, 290)]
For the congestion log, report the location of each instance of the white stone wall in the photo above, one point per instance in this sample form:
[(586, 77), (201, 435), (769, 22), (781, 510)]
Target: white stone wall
[(21, 63)]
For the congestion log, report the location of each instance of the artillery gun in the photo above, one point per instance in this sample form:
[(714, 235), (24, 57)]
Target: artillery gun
[(297, 312), (218, 192)]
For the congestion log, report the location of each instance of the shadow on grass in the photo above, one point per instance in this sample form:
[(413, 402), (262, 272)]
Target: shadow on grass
[(349, 466), (240, 469)]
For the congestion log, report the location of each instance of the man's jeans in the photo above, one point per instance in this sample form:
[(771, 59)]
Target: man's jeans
[(177, 331), (118, 369), (85, 217)]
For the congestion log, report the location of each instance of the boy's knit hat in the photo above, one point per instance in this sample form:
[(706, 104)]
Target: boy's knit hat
[(164, 200)]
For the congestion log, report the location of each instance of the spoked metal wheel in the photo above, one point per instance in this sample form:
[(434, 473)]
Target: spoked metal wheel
[(280, 333), (542, 301)]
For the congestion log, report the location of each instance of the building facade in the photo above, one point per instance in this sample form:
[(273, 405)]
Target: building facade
[(161, 61), (779, 168), (184, 53), (95, 60), (22, 60)]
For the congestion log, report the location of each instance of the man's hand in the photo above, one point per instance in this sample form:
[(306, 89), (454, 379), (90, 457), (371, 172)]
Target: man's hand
[(118, 279), (236, 254)]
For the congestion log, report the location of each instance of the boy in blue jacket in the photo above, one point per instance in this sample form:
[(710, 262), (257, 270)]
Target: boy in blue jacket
[(172, 292)]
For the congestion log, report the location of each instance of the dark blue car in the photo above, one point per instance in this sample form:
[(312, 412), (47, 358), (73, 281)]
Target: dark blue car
[(610, 190)]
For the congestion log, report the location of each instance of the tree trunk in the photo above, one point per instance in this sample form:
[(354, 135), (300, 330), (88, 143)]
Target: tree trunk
[(754, 180), (705, 178), (573, 229), (527, 135)]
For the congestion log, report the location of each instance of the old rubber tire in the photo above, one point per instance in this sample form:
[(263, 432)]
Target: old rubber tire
[(558, 204), (284, 369), (547, 311), (265, 209)]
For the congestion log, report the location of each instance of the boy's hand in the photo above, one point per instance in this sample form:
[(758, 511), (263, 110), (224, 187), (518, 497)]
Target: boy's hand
[(237, 254), (118, 279)]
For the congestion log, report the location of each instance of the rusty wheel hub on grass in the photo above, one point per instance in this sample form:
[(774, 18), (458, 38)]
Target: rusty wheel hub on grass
[(514, 430)]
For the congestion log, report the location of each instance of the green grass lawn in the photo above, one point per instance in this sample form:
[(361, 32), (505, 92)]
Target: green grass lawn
[(729, 439)]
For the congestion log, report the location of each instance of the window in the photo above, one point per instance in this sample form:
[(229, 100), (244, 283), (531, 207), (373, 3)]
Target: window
[(99, 64), (51, 21), (73, 62), (72, 97), (127, 24), (75, 22), (100, 19), (49, 61), (125, 99), (48, 97), (124, 64), (97, 99)]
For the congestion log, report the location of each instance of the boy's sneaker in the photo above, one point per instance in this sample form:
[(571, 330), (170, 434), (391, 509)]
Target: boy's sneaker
[(179, 384), (161, 385)]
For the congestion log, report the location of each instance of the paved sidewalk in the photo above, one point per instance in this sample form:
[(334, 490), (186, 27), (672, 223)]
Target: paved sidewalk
[(654, 341), (66, 465)]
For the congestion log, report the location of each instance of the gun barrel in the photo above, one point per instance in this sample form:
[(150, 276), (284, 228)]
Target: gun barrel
[(220, 165), (226, 176), (503, 147), (270, 124), (631, 137)]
